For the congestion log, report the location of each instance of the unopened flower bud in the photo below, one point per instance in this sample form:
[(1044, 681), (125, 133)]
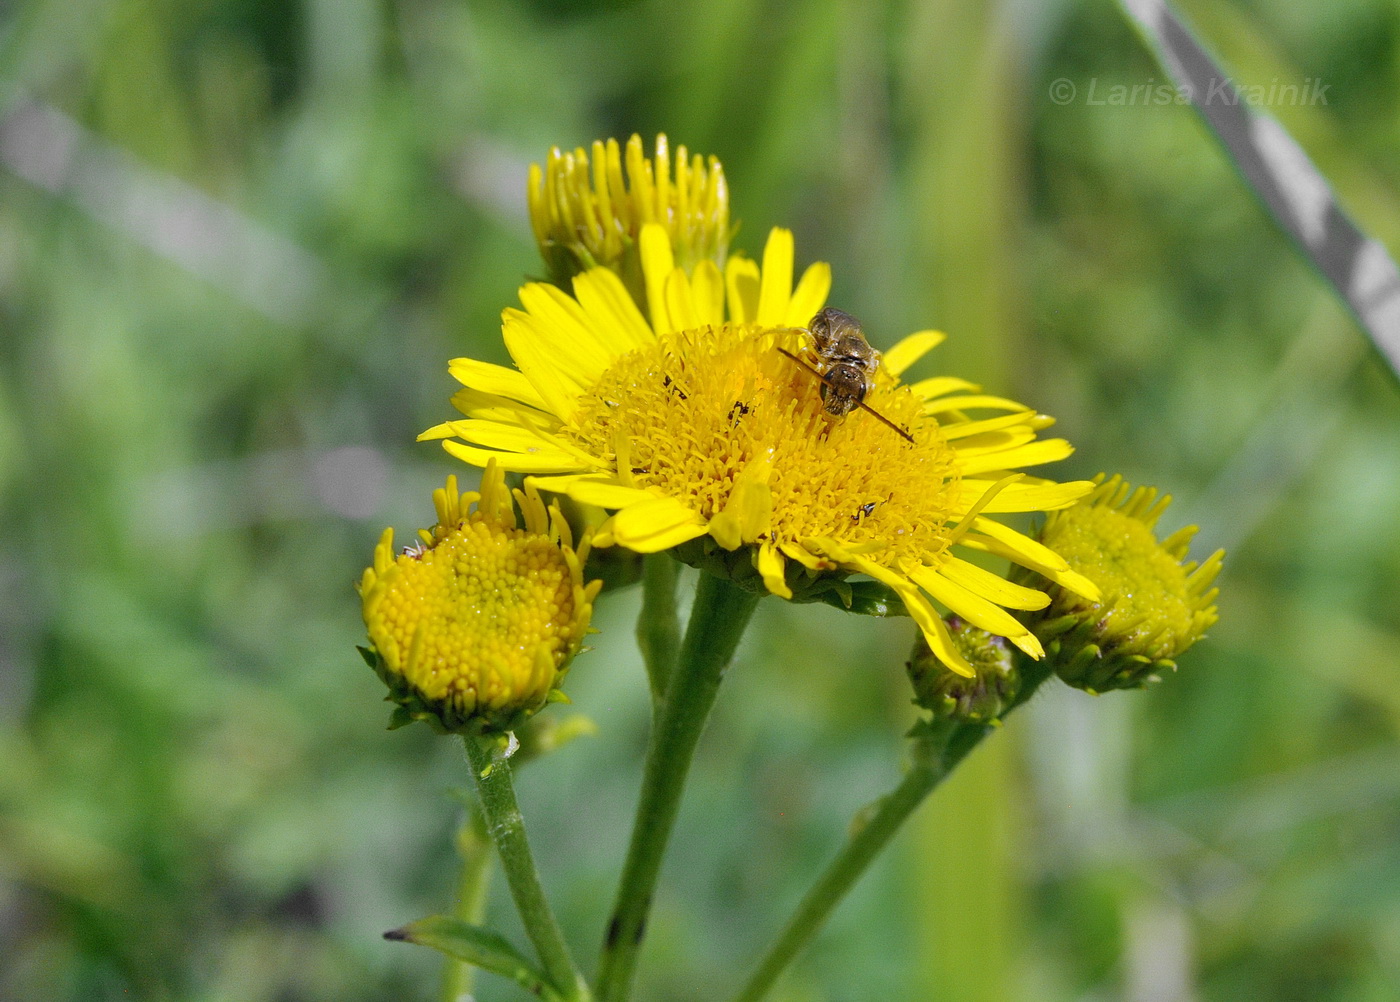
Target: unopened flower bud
[(589, 214), (473, 627), (1153, 605), (982, 698)]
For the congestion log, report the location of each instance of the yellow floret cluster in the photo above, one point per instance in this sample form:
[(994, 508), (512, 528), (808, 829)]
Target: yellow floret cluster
[(476, 625), (1153, 604)]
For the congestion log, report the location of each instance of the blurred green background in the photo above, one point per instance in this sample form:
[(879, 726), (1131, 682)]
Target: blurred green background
[(239, 240)]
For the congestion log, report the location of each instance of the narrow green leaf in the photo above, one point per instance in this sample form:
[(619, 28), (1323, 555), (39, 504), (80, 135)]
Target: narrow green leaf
[(475, 945), (1282, 177)]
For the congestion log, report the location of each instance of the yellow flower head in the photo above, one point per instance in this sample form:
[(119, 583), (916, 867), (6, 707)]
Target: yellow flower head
[(590, 214), (474, 627), (699, 420), (1152, 606)]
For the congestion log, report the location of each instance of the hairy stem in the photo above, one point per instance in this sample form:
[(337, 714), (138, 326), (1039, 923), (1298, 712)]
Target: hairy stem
[(507, 830)]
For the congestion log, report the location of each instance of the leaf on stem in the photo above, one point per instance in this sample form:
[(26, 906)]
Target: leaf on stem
[(478, 946)]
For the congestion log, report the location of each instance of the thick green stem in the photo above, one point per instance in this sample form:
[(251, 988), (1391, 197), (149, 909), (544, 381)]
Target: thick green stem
[(507, 830), (658, 628), (474, 847), (717, 621), (936, 755)]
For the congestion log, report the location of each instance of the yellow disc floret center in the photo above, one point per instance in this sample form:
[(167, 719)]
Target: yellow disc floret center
[(480, 620), (702, 408), (1150, 602)]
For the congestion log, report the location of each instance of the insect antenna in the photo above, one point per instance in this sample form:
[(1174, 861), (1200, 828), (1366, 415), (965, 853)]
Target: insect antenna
[(859, 403)]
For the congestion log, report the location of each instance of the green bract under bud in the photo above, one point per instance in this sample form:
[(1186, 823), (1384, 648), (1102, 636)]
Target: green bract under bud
[(1153, 605), (982, 698), (590, 214)]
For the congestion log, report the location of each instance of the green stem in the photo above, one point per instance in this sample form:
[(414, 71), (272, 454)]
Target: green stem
[(474, 846), (717, 621), (936, 755), (658, 628), (507, 830)]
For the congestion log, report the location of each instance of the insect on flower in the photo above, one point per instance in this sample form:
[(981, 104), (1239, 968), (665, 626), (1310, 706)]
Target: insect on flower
[(846, 365)]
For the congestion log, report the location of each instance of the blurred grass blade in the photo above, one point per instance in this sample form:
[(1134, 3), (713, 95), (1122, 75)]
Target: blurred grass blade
[(1283, 178), (207, 237), (478, 946)]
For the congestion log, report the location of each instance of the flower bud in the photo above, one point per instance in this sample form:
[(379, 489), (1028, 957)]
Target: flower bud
[(590, 214), (473, 627), (985, 696), (1152, 607)]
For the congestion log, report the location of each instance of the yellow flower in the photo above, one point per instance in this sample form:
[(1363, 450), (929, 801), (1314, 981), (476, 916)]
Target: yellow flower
[(1152, 606), (473, 627), (587, 215), (691, 422)]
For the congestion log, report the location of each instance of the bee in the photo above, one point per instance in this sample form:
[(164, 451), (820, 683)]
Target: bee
[(846, 364)]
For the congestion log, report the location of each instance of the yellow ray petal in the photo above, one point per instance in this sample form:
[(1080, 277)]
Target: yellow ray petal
[(657, 264), (1023, 497), (1049, 450), (922, 612), (560, 483), (475, 404), (977, 610), (806, 557), (1063, 577), (514, 438), (602, 294), (810, 294), (436, 432), (940, 642), (602, 494), (748, 512), (965, 429), (910, 349), (1024, 546), (983, 503), (512, 462), (993, 441), (771, 567), (656, 524), (663, 177), (846, 554), (741, 279), (680, 304), (992, 587), (939, 385), (943, 404), (532, 353), (707, 290), (561, 321), (776, 290), (497, 379), (993, 537)]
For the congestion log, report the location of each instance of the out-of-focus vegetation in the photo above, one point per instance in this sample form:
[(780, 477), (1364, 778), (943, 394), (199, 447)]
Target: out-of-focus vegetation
[(238, 242)]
